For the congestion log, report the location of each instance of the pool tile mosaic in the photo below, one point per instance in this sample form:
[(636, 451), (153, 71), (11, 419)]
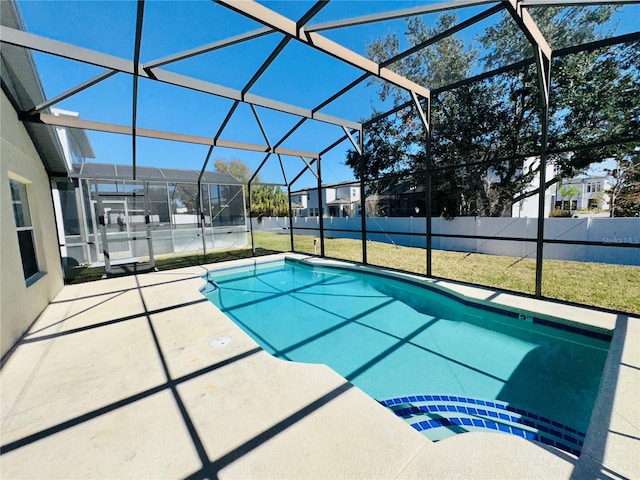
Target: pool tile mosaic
[(530, 425)]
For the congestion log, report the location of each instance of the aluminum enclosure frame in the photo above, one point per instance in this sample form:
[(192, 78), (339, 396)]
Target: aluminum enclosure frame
[(308, 35)]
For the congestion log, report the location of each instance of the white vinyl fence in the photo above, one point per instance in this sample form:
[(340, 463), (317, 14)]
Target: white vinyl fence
[(398, 230)]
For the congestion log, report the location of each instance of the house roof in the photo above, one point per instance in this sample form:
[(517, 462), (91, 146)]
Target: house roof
[(104, 171), (339, 201), (21, 83), (304, 191), (78, 134)]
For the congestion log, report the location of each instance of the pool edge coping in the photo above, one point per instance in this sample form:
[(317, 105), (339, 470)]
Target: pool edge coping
[(608, 397), (480, 296)]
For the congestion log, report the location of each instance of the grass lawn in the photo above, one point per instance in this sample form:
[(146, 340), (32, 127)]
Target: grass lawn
[(83, 274), (597, 284)]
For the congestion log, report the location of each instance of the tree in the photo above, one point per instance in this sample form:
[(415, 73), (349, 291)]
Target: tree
[(269, 200), (596, 102), (561, 26), (594, 94), (569, 192), (266, 200), (395, 146), (491, 128), (237, 169), (624, 196), (471, 126), (184, 195)]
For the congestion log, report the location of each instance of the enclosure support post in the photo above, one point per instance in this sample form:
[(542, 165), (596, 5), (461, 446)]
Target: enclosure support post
[(147, 221), (543, 63), (244, 211), (253, 243), (544, 74), (428, 206), (83, 225), (202, 226), (136, 73), (363, 198), (320, 209), (425, 117), (102, 222), (359, 146), (201, 202), (290, 217)]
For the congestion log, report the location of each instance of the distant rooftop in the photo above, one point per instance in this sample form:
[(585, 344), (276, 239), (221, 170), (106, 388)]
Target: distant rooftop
[(102, 171)]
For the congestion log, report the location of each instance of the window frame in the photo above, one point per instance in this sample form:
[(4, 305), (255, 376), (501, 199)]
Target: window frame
[(27, 226)]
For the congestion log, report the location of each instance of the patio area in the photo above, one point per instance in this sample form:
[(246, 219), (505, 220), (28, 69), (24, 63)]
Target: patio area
[(124, 378)]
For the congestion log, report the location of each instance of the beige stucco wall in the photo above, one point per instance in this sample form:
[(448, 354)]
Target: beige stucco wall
[(20, 305)]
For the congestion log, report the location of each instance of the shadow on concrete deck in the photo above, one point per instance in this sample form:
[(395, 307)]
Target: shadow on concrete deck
[(118, 379)]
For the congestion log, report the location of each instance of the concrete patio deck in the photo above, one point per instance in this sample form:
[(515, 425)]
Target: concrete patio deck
[(120, 379)]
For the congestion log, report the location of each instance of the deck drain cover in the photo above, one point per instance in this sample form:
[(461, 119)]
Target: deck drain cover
[(219, 341)]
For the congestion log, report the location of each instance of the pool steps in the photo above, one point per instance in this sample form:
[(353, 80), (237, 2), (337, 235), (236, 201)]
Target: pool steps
[(440, 416)]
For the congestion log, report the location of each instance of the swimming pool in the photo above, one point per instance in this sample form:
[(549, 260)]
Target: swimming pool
[(443, 364)]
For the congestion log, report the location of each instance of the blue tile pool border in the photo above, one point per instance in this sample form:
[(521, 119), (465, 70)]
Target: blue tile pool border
[(490, 425), (566, 437)]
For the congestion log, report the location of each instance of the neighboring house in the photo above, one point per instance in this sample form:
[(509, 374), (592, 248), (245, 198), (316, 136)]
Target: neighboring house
[(299, 203), (406, 199), (296, 209), (590, 193), (74, 141), (528, 207), (337, 201)]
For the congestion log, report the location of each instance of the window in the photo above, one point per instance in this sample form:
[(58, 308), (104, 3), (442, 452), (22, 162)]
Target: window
[(22, 216), (594, 187)]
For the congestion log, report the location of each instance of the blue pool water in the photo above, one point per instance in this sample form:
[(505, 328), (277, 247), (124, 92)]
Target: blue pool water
[(426, 355)]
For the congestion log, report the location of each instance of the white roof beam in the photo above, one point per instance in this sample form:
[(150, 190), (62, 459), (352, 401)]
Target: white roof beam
[(54, 47), (568, 3), (432, 7), (75, 122), (261, 32), (528, 26), (274, 20)]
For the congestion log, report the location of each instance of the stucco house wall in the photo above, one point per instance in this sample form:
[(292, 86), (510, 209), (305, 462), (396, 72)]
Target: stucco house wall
[(20, 304)]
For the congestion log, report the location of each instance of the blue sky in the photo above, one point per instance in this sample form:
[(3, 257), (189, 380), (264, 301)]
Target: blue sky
[(300, 76)]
